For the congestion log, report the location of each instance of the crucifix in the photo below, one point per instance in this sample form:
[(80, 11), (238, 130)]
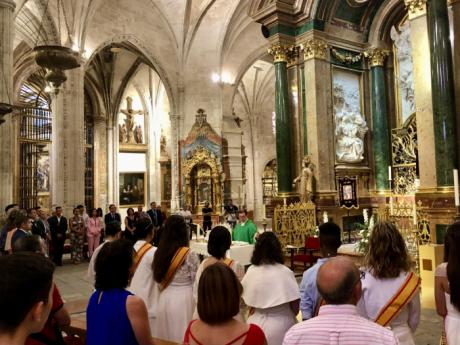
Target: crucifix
[(131, 134)]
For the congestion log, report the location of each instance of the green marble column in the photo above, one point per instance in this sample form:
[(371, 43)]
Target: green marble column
[(442, 84), (381, 132), (304, 112), (283, 136)]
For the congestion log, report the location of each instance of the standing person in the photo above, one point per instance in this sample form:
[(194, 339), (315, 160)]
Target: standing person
[(219, 294), (130, 226), (9, 224), (391, 292), (84, 214), (113, 233), (447, 286), (174, 270), (112, 216), (23, 229), (230, 213), (156, 218), (26, 291), (188, 217), (93, 232), (38, 227), (338, 321), (274, 309), (207, 217), (58, 229), (161, 215), (142, 283), (329, 239), (43, 214), (77, 236), (245, 230), (100, 215), (114, 315)]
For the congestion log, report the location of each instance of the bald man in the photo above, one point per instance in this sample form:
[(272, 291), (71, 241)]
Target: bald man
[(338, 321)]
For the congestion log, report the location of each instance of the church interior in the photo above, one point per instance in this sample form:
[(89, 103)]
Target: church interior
[(300, 112)]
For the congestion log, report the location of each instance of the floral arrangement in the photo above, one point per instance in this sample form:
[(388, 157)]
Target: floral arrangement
[(365, 231)]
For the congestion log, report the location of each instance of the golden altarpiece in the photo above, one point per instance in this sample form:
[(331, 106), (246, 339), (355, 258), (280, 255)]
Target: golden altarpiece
[(202, 170)]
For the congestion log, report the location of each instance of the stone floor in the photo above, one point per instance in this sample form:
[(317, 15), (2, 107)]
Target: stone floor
[(75, 289)]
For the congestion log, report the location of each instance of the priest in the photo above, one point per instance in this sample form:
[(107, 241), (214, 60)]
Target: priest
[(245, 230)]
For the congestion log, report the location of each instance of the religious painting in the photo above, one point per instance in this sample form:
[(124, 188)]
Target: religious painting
[(348, 197), (131, 125), (43, 173), (404, 71), (132, 189), (350, 122)]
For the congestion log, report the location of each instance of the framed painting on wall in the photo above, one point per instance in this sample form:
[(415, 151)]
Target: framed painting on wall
[(132, 188), (348, 197)]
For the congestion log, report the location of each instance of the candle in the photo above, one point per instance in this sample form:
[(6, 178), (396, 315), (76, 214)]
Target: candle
[(389, 173), (457, 198)]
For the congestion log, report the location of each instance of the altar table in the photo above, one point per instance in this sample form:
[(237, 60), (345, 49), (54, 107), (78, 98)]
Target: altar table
[(239, 251)]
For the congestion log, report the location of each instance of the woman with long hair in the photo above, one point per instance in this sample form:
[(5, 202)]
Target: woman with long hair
[(390, 290), (447, 285), (270, 290), (77, 237), (174, 269), (219, 294), (93, 232), (130, 226)]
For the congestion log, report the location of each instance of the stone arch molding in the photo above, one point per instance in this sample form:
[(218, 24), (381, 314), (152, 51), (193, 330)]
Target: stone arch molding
[(145, 51)]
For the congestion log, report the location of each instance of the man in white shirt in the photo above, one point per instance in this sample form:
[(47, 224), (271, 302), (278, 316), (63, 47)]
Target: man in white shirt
[(142, 283), (338, 321), (112, 233)]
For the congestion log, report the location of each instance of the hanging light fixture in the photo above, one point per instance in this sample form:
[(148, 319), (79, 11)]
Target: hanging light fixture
[(56, 58)]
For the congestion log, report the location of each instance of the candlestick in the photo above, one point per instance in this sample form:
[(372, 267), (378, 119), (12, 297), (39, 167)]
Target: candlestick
[(389, 173), (457, 197)]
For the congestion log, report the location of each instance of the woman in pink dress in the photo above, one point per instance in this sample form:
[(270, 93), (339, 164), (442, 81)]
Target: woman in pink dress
[(93, 231)]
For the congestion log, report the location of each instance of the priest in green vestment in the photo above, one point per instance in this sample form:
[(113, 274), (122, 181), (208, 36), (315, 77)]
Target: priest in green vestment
[(245, 230)]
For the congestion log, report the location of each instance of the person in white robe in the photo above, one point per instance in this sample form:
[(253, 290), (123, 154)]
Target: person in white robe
[(142, 283), (387, 268), (270, 290)]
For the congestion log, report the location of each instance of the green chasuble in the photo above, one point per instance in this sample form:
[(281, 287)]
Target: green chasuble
[(245, 232)]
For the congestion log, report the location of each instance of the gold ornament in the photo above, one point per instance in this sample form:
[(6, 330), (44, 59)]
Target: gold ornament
[(315, 49), (279, 52), (416, 8), (376, 56)]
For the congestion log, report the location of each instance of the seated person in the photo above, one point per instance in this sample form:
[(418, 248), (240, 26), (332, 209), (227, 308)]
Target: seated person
[(59, 316), (219, 294), (114, 315), (245, 230), (26, 290)]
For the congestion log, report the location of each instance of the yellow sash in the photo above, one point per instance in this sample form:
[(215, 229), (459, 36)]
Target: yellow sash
[(228, 262), (399, 300), (139, 255), (176, 262)]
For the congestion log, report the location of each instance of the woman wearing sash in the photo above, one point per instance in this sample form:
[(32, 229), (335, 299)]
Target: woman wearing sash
[(390, 291), (447, 285), (174, 270), (219, 243), (270, 290)]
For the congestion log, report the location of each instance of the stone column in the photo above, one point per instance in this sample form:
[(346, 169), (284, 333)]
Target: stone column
[(100, 164), (422, 92), (455, 6), (442, 83), (320, 130), (7, 132), (175, 161), (111, 166), (67, 149), (283, 120), (381, 132)]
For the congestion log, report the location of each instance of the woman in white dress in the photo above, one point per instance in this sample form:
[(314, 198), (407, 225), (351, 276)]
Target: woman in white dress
[(270, 290), (174, 269), (387, 268), (447, 285)]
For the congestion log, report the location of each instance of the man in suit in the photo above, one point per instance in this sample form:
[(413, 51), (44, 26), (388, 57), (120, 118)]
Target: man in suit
[(58, 229), (38, 227), (154, 214), (112, 216)]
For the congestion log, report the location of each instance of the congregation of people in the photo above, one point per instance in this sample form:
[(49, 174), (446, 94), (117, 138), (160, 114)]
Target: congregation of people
[(149, 284)]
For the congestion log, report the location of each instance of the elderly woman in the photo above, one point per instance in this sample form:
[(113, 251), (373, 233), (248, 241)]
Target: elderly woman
[(388, 282)]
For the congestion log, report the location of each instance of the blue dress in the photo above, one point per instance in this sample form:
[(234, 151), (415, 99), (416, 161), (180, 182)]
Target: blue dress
[(107, 320)]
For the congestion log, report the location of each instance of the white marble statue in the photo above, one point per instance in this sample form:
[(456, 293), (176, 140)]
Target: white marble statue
[(403, 51), (305, 180)]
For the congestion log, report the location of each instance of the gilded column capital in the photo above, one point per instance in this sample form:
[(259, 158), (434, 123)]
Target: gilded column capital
[(416, 8), (315, 49), (280, 52), (293, 55), (376, 56)]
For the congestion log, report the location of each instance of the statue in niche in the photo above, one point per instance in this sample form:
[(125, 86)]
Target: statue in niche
[(350, 126), (305, 180), (139, 136), (123, 134), (130, 113)]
